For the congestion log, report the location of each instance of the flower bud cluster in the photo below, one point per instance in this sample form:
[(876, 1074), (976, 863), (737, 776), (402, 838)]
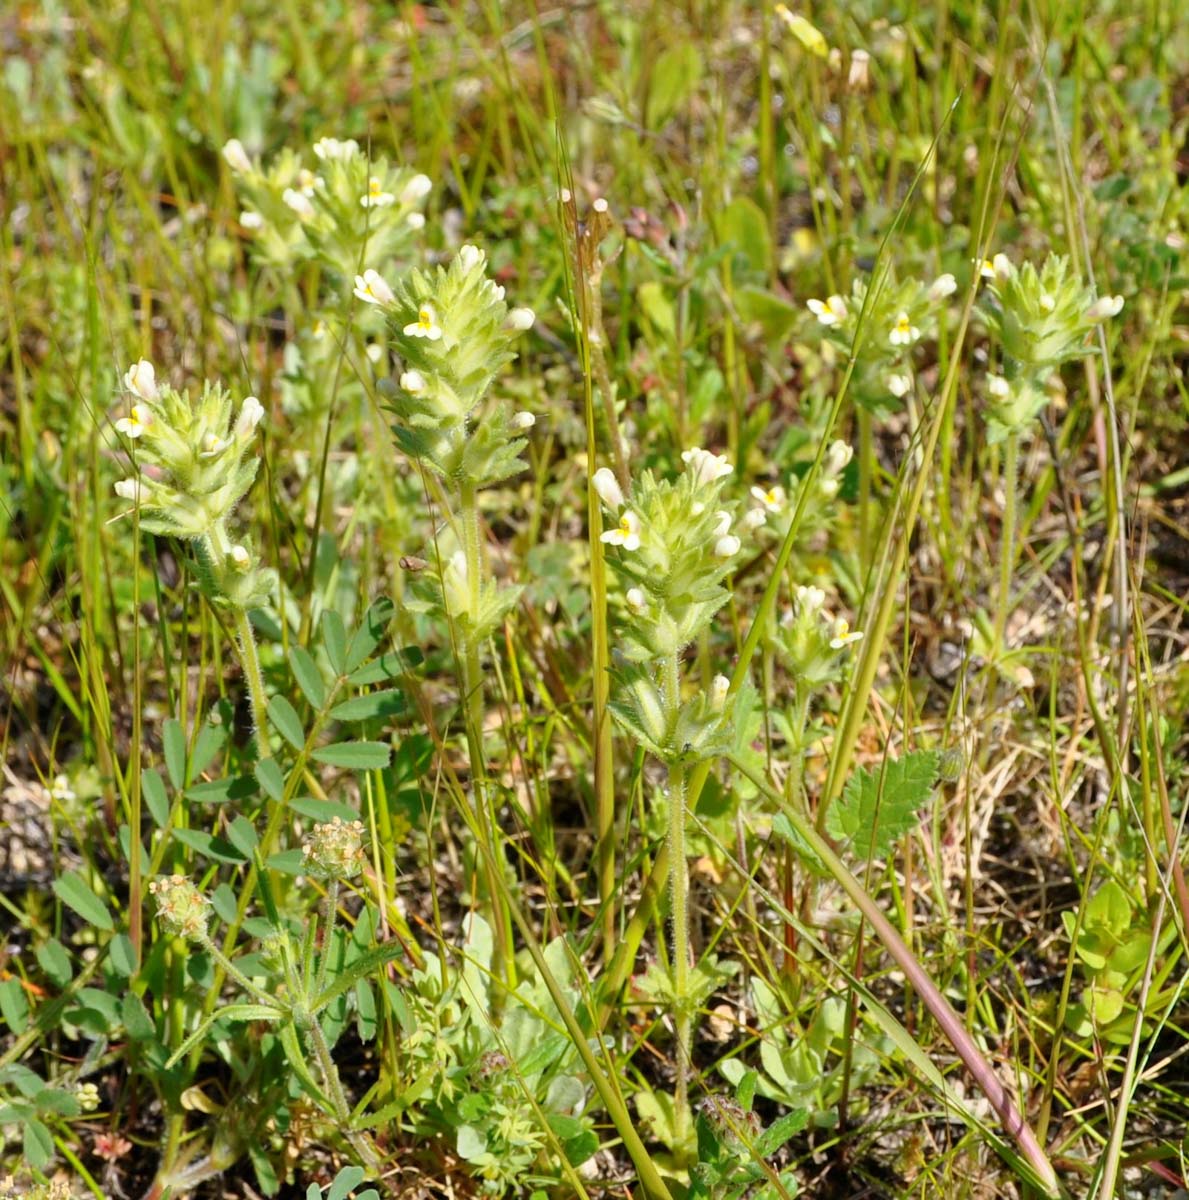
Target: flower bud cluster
[(194, 465), (811, 642), (182, 910), (676, 542), (455, 332), (327, 213), (897, 318), (1041, 319), (334, 850)]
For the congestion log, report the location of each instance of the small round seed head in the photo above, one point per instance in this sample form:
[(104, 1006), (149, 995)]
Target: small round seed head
[(334, 850), (182, 909)]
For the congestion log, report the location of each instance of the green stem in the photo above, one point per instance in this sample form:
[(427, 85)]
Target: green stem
[(1007, 548), (360, 1143), (250, 662), (332, 902)]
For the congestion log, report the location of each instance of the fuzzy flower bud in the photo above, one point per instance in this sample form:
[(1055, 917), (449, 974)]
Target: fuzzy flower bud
[(1104, 308), (239, 558), (704, 466), (719, 686), (236, 157), (299, 202), (87, 1095), (519, 320), (727, 547), (837, 457), (942, 286), (182, 910), (334, 850), (412, 382), (523, 421), (141, 379), (636, 599), (470, 257), (416, 189), (251, 413), (608, 488), (134, 490)]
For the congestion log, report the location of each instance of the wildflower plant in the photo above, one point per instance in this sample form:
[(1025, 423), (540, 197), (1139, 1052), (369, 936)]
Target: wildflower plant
[(675, 545), (347, 211)]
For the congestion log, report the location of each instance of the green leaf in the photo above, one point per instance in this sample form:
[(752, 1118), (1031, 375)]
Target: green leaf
[(14, 1007), (472, 1143), (745, 1090), (370, 633), (363, 966), (214, 848), (374, 704), (57, 1101), (122, 953), (743, 224), (675, 76), (288, 862), (74, 891), (780, 1131), (323, 811), (357, 756), (173, 739), (387, 666), (211, 738), (284, 716), (658, 308), (879, 807), (55, 962), (39, 1144), (271, 778), (242, 836), (297, 1064), (334, 638), (220, 791), (308, 677), (136, 1018), (775, 316), (347, 1179), (152, 788)]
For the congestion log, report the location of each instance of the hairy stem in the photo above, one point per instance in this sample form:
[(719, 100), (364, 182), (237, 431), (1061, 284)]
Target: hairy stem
[(1007, 548)]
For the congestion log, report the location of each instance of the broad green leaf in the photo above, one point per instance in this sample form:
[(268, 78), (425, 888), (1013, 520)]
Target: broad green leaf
[(122, 953), (284, 716), (220, 791), (334, 638), (136, 1018), (357, 756), (472, 1143), (288, 862), (743, 224), (14, 1006), (879, 807), (780, 1131), (308, 677), (347, 1179), (775, 316), (214, 848), (74, 891), (55, 962), (210, 741), (657, 307), (323, 811), (271, 778), (390, 665), (152, 788), (375, 704), (38, 1143), (173, 740), (58, 1101), (676, 74), (242, 836)]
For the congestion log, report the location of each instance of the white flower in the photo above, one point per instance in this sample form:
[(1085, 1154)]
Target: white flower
[(131, 489), (61, 790), (213, 445), (318, 330), (412, 382), (832, 312), (943, 285), (904, 332), (722, 524), (251, 220), (236, 157), (136, 422), (626, 533), (329, 148), (372, 288), (241, 560), (998, 268), (998, 387), (307, 181), (859, 75), (1104, 307), (426, 325), (142, 379), (520, 319), (900, 385), (828, 486), (523, 420), (704, 466), (251, 413), (1047, 302), (299, 202), (843, 634), (636, 599), (376, 196), (608, 488), (772, 498), (374, 352), (415, 220), (837, 456), (809, 599), (416, 189), (720, 685), (727, 547), (753, 519), (469, 257)]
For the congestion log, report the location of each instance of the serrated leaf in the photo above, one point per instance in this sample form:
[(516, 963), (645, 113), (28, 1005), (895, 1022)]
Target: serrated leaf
[(308, 677), (370, 633), (356, 756), (879, 807), (334, 638), (173, 742), (75, 892), (288, 724), (374, 704)]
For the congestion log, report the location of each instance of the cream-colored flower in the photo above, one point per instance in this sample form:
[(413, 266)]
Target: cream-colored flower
[(141, 379), (998, 387), (307, 181), (636, 599), (809, 598), (61, 789), (838, 455), (133, 490), (299, 202), (236, 157), (830, 312), (773, 498), (139, 419), (470, 257), (942, 286), (412, 382), (608, 489), (251, 413), (900, 385), (904, 332), (705, 466), (843, 634), (426, 325), (520, 319), (626, 533), (372, 288), (330, 149), (416, 189), (998, 268), (859, 76), (376, 196), (1048, 302), (239, 557), (415, 220), (374, 352), (1104, 307), (727, 547), (753, 519), (251, 220), (213, 445), (722, 524), (523, 420)]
